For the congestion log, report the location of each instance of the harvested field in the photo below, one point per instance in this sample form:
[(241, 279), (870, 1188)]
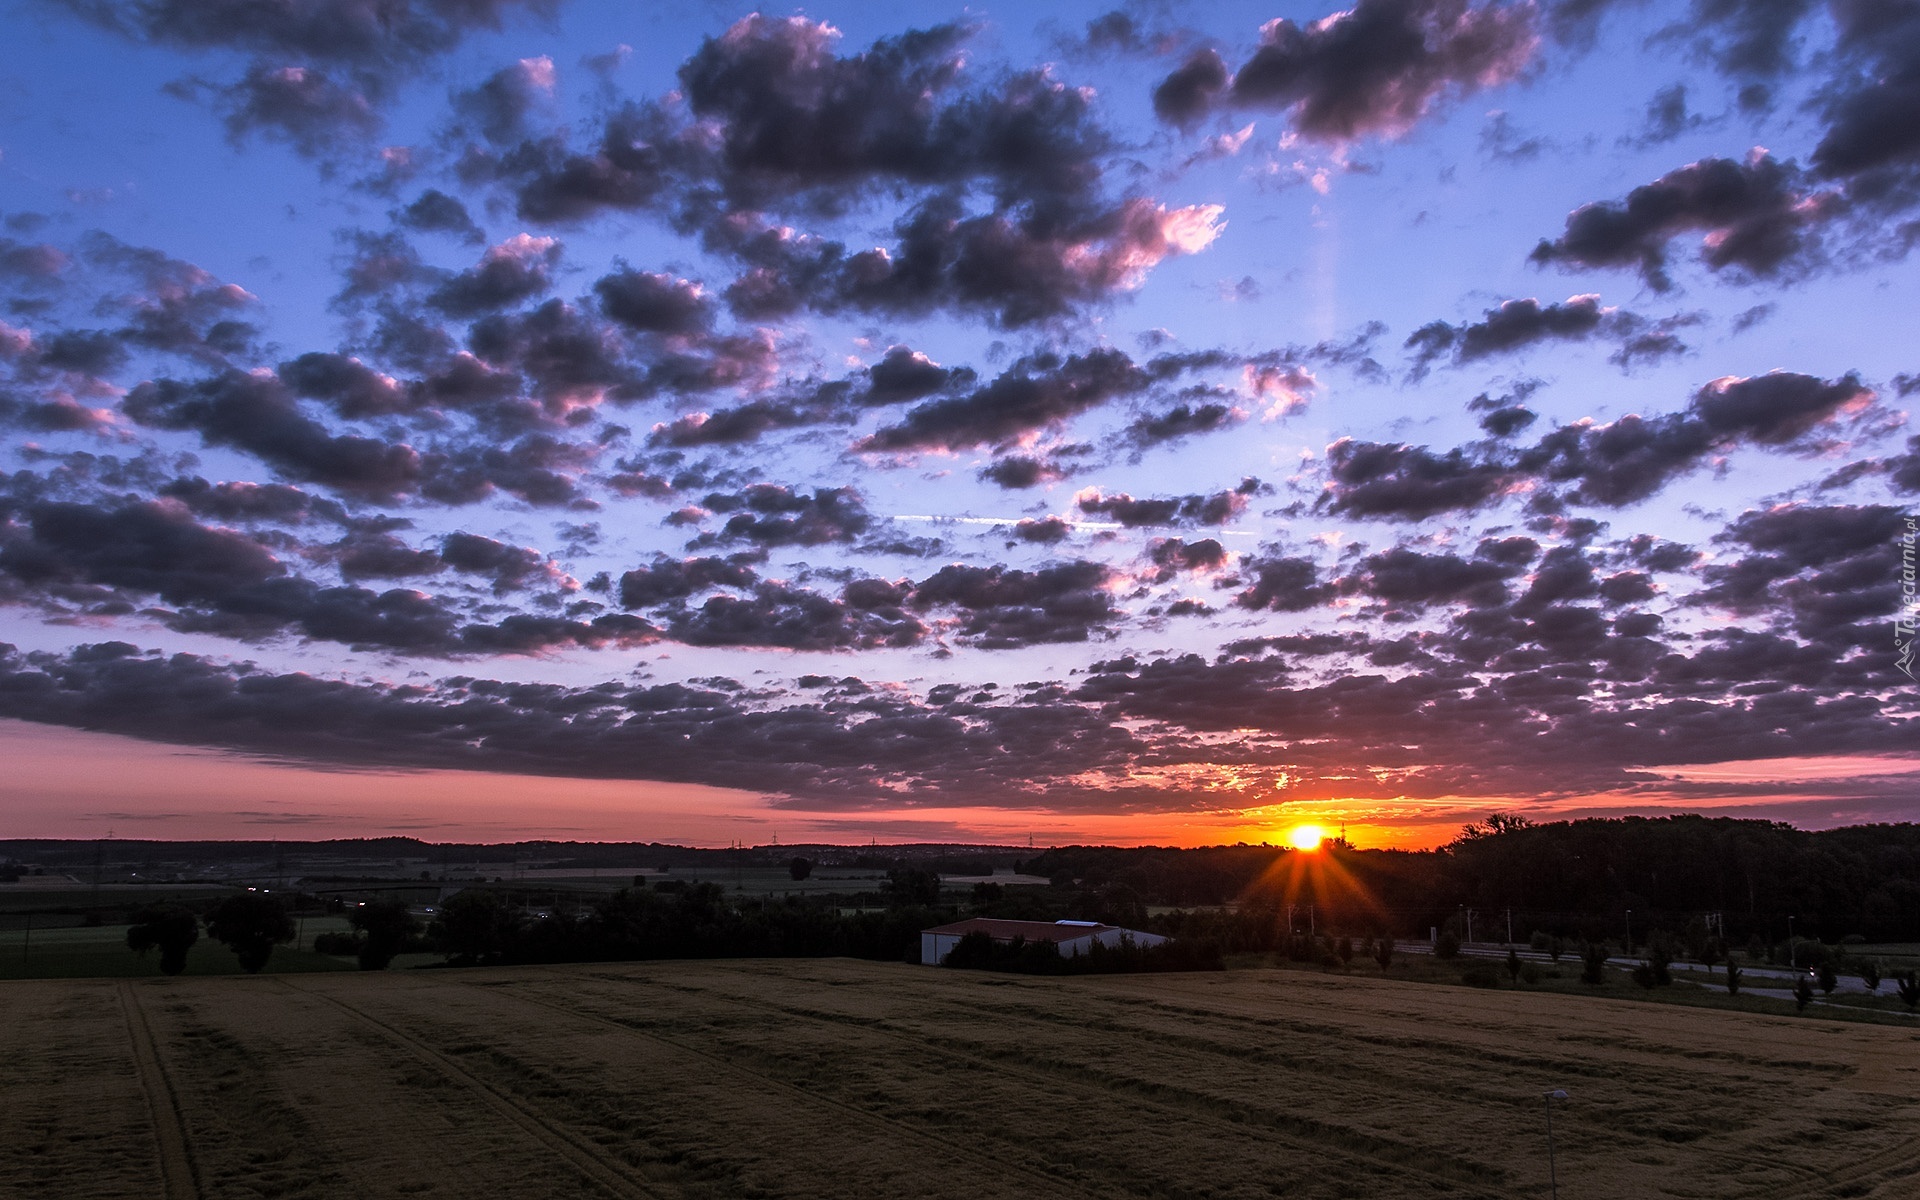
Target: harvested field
[(835, 1078)]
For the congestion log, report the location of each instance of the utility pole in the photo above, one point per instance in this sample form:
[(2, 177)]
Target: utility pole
[(1509, 927)]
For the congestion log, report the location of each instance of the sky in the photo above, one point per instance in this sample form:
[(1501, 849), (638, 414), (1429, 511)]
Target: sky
[(486, 419)]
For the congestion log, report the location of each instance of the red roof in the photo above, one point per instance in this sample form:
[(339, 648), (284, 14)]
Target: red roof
[(1006, 931)]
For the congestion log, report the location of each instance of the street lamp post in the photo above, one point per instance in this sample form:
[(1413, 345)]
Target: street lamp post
[(1553, 1178), (1790, 955), (1629, 931)]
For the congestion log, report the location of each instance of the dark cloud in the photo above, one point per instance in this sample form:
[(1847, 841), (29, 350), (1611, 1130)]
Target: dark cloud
[(1755, 217), (348, 386), (652, 303), (1044, 530), (1022, 270), (1037, 392), (257, 414), (1514, 325), (508, 568), (777, 615), (1408, 578), (363, 51), (1218, 508), (1754, 39), (436, 212), (1284, 584), (1872, 105), (517, 269), (1401, 482), (904, 374), (1002, 608), (365, 554), (241, 501), (1667, 117), (1173, 556), (768, 514), (498, 109), (1193, 88), (669, 579), (1023, 471), (739, 424), (304, 106), (1775, 408), (1377, 68), (1183, 420)]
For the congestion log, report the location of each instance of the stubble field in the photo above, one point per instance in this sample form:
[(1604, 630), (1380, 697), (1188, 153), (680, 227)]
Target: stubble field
[(835, 1078)]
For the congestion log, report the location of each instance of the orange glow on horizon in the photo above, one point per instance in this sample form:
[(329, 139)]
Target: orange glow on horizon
[(70, 783)]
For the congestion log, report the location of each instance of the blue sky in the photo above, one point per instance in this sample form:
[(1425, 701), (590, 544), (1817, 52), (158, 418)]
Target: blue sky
[(1155, 423)]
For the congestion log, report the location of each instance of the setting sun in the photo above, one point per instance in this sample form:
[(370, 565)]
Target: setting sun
[(1306, 837)]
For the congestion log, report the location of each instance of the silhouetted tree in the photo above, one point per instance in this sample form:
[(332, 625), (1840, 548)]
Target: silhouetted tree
[(1447, 945), (798, 868), (1593, 960), (1802, 992), (386, 926), (478, 926), (1733, 978), (250, 924), (1870, 974), (1513, 965), (173, 930), (1826, 977), (1383, 952), (906, 886)]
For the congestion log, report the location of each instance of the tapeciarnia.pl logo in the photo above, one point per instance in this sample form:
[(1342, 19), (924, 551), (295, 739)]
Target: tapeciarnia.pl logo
[(1903, 625)]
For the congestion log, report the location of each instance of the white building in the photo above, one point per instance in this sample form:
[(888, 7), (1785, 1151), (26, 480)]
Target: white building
[(1069, 937)]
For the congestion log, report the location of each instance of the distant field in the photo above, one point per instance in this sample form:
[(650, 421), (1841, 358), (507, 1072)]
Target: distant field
[(836, 1078)]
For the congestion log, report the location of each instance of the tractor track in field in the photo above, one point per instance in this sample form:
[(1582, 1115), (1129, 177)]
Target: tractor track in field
[(179, 1180), (588, 1159), (1234, 1117), (1053, 1184)]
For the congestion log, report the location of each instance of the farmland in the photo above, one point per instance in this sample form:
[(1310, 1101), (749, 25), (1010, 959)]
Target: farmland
[(840, 1078)]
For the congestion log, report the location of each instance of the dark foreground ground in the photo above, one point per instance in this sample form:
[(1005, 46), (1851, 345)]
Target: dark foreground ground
[(834, 1078)]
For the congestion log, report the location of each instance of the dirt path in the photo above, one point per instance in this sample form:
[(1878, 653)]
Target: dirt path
[(610, 1174), (178, 1177)]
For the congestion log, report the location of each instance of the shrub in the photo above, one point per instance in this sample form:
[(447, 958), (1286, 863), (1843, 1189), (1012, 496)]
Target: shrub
[(1659, 959), (1909, 985), (344, 944), (1513, 965), (1827, 979), (1383, 952), (1733, 978), (1870, 974), (798, 869), (1802, 993), (1593, 958), (1481, 975), (1531, 974), (1344, 949), (1447, 945), (1539, 941), (1556, 948)]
